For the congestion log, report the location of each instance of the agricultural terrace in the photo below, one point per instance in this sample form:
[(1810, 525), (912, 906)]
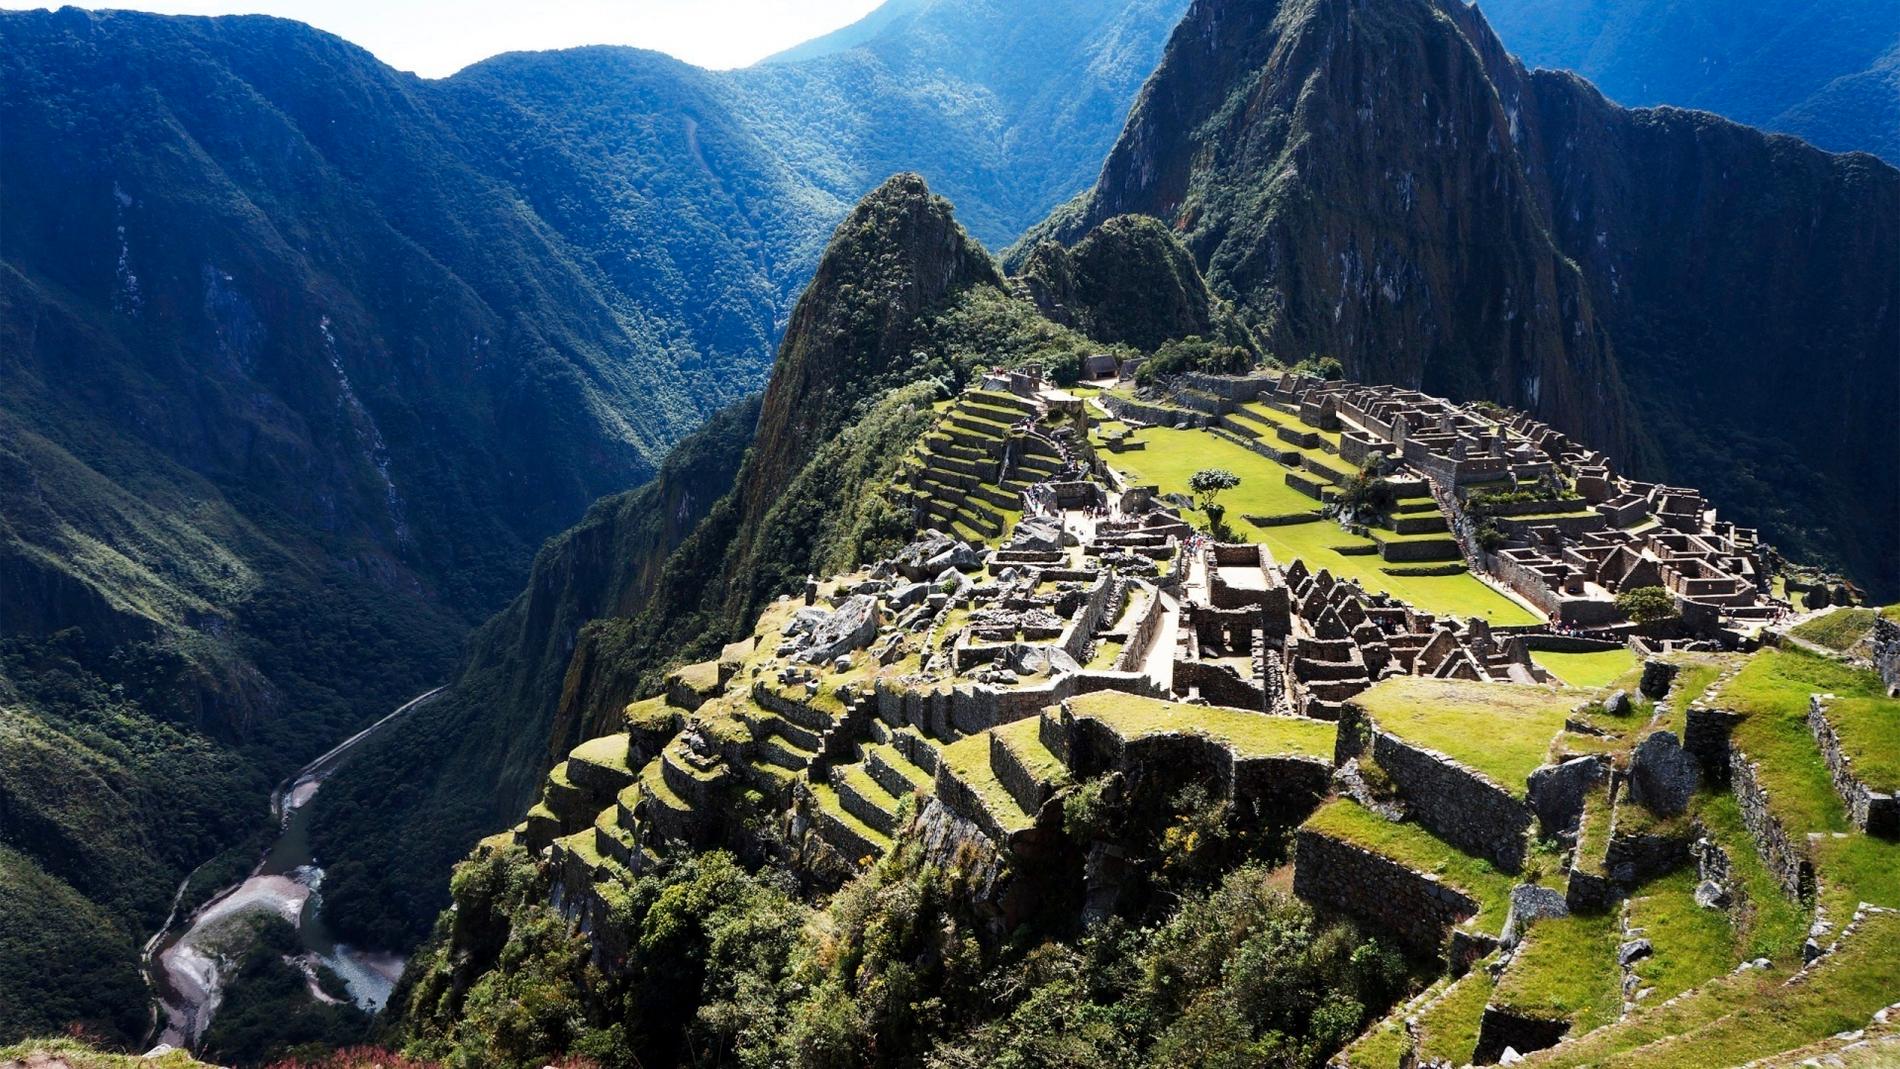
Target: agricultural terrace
[(1503, 730)]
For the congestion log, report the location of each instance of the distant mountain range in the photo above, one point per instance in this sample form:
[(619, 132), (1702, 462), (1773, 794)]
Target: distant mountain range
[(1828, 73), (302, 358)]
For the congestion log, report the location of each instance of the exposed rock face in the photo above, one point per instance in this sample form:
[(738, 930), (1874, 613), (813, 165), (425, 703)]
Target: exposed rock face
[(1381, 182), (850, 627), (1663, 776)]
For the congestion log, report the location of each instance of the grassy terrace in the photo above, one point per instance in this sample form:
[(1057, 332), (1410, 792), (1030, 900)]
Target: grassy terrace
[(608, 751), (1692, 945), (1503, 730), (1586, 669), (827, 798), (650, 714), (1857, 868), (969, 760), (1869, 730), (1173, 455), (1839, 630), (1421, 851), (1249, 734), (1841, 993), (1659, 1021), (1771, 926), (1772, 693), (1698, 674), (1566, 969), (1448, 1029)]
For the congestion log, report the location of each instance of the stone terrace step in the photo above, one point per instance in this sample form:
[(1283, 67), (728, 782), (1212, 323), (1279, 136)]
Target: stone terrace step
[(1006, 401), (969, 786), (894, 771), (865, 798), (1025, 766), (846, 832)]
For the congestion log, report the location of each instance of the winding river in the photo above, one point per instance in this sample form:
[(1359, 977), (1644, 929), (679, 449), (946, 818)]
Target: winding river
[(188, 961)]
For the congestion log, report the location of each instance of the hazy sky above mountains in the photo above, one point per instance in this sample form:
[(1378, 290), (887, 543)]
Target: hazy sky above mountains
[(439, 37)]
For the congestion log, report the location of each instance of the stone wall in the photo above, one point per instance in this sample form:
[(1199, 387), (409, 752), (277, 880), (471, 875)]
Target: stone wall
[(1142, 636), (1706, 736), (1785, 857), (1240, 388), (1414, 908), (1123, 408), (1272, 787), (1461, 805), (1872, 811)]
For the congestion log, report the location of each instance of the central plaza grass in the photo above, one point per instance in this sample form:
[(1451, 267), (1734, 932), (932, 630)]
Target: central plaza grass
[(1586, 669), (1503, 730), (1771, 692), (1173, 455), (1251, 734), (1419, 850)]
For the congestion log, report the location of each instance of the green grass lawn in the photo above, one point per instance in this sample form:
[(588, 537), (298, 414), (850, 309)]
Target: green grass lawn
[(1421, 851), (1132, 716), (1173, 455), (1586, 669), (1772, 694), (1692, 944), (1501, 729), (1839, 630), (1566, 969)]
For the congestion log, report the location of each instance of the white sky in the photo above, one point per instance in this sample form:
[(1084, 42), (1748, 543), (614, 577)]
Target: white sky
[(439, 37)]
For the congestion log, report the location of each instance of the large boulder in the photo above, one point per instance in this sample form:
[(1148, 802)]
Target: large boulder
[(1029, 661), (851, 626), (1531, 903), (1663, 776)]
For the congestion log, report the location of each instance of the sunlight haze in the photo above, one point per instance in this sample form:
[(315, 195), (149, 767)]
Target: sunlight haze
[(436, 38)]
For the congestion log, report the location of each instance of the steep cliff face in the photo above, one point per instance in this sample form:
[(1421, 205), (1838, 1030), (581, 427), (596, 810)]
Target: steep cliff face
[(1381, 182), (1826, 73)]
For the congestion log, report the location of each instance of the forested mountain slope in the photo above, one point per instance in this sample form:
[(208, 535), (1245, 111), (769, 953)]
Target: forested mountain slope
[(302, 358)]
